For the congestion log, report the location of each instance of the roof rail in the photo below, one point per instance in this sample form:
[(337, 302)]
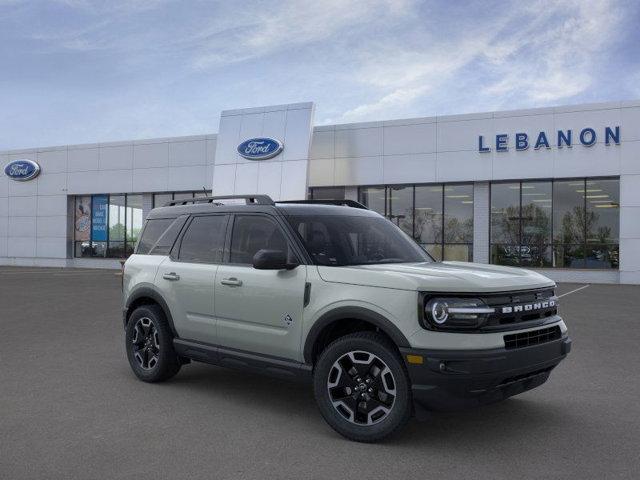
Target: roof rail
[(249, 199), (344, 203)]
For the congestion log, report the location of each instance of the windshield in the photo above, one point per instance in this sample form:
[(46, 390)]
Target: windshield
[(340, 240)]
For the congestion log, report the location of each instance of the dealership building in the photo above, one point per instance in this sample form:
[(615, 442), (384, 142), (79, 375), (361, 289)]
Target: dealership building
[(553, 189)]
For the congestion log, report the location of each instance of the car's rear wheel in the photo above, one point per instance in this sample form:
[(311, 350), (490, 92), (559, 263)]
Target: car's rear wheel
[(362, 387), (149, 345)]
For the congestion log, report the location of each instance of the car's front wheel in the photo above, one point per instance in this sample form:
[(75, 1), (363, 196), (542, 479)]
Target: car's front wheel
[(149, 345), (362, 387)]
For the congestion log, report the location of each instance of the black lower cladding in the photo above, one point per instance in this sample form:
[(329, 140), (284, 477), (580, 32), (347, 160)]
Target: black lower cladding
[(451, 380)]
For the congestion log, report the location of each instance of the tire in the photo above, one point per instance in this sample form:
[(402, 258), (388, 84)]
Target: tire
[(149, 345), (366, 414)]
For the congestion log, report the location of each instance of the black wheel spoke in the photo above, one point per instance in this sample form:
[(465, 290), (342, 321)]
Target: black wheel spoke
[(145, 346)]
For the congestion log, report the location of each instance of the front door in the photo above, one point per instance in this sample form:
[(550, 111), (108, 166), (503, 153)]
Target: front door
[(187, 279), (259, 311)]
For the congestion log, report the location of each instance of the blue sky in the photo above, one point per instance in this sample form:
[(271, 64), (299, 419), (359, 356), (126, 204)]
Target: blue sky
[(76, 71)]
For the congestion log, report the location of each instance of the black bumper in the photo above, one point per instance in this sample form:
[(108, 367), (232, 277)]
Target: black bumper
[(454, 379)]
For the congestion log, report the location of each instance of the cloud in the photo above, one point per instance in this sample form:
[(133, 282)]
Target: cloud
[(540, 53)]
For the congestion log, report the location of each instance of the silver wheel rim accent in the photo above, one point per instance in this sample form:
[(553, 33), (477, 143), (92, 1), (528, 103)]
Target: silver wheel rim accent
[(348, 375), (145, 343)]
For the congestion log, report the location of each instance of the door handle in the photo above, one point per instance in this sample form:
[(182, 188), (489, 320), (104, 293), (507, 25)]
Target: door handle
[(173, 276), (232, 282)]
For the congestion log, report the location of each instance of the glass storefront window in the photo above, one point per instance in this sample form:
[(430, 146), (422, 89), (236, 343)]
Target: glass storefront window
[(161, 199), (564, 223), (458, 222), (400, 208), (107, 225), (373, 198), (327, 193), (134, 221), (439, 217)]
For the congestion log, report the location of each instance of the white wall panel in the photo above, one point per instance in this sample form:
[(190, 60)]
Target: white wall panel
[(151, 155), (224, 179), (420, 138), (322, 144), (463, 166), (359, 171), (51, 247), (22, 227), (630, 124), (83, 159), (117, 157), (52, 183), (297, 136), (270, 178), (84, 182), (358, 142), (52, 226), (52, 161), (188, 178), (4, 206), (630, 157), (188, 153), (51, 205), (115, 181), (294, 180), (21, 246), (150, 180), (247, 178), (406, 168), (22, 206), (321, 172)]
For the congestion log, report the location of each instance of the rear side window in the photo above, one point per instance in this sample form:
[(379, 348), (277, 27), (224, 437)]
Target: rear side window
[(152, 232), (203, 242)]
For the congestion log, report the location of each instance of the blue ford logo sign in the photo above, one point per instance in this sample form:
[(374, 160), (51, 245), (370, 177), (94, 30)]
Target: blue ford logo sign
[(22, 170), (260, 148)]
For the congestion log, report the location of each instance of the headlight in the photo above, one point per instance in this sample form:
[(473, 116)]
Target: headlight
[(456, 312)]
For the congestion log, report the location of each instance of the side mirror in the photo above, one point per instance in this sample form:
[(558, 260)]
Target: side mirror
[(272, 260)]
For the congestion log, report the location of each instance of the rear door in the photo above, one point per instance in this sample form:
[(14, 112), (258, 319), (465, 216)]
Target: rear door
[(259, 311), (187, 277)]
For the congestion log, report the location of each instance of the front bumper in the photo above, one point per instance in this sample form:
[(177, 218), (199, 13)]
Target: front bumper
[(455, 379)]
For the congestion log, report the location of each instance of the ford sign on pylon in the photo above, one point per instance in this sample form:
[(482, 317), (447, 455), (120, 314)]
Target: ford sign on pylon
[(260, 148)]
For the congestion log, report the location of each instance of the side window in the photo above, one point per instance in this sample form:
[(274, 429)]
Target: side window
[(203, 242), (168, 238), (153, 229), (252, 233)]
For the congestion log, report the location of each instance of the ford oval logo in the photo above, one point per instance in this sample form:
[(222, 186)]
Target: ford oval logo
[(22, 170), (260, 148)]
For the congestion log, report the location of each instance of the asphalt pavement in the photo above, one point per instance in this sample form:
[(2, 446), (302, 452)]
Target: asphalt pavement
[(70, 408)]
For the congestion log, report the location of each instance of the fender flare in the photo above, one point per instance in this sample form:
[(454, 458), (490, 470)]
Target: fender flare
[(355, 313), (148, 292)]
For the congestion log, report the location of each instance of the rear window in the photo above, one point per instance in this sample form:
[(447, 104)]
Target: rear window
[(159, 235)]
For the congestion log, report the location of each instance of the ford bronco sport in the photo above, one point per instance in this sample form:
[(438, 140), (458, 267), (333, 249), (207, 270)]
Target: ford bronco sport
[(332, 292)]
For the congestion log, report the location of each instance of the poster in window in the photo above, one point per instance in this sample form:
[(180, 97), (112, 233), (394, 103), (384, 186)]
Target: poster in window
[(99, 218), (83, 219)]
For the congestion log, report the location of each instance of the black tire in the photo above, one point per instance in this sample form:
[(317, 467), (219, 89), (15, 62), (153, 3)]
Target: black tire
[(152, 360), (339, 393)]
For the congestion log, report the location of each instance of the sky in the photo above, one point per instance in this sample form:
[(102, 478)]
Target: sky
[(80, 71)]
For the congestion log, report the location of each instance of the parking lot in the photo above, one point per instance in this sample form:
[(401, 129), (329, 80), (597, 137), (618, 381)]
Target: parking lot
[(71, 408)]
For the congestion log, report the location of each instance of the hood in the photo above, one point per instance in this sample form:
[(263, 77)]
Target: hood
[(461, 277)]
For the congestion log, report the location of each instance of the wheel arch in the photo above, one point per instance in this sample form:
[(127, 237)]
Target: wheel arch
[(147, 296), (344, 316)]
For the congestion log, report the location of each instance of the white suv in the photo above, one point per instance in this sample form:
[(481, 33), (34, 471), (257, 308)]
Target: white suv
[(333, 293)]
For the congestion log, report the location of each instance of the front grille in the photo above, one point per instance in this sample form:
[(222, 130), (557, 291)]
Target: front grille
[(515, 315), (533, 337)]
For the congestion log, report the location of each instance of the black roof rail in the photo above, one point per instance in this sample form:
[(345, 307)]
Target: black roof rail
[(249, 199), (343, 203)]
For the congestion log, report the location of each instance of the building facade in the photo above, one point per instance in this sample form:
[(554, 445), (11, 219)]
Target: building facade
[(552, 189)]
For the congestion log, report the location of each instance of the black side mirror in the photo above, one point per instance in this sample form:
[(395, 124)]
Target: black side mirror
[(272, 260)]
